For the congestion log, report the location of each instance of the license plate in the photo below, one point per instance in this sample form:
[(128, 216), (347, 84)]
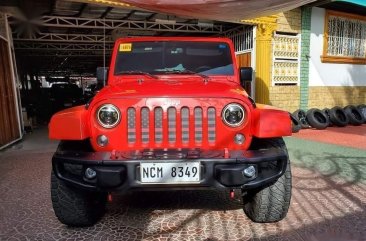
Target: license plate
[(170, 172), (67, 104)]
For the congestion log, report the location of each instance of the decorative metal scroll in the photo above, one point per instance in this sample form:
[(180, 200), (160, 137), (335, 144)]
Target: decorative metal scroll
[(346, 37)]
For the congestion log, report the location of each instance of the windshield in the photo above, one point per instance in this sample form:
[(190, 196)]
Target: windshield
[(208, 58)]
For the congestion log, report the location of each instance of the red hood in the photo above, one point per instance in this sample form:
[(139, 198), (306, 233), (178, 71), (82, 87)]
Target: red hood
[(173, 88)]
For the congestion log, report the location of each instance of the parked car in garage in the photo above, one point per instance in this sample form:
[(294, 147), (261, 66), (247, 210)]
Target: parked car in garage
[(173, 115), (91, 90), (64, 95)]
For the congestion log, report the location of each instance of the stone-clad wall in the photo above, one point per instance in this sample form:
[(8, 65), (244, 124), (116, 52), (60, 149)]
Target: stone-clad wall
[(288, 97), (289, 21), (330, 96), (285, 97)]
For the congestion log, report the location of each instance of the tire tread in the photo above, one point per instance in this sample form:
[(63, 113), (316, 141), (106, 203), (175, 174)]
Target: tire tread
[(271, 203), (76, 207)]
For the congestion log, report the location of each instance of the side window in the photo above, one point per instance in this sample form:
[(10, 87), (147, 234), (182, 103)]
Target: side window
[(344, 38)]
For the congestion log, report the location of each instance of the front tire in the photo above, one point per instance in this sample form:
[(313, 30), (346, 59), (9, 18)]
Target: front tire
[(269, 203), (75, 207)]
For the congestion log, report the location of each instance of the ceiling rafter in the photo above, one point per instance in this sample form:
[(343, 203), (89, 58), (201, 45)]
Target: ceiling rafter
[(88, 23), (129, 15), (151, 16), (81, 10), (105, 13), (61, 46), (57, 37), (62, 53), (74, 31)]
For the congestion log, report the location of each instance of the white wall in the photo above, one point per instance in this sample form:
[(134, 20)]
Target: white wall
[(329, 74)]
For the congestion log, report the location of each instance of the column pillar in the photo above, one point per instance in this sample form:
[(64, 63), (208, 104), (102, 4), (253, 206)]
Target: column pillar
[(263, 68), (305, 55)]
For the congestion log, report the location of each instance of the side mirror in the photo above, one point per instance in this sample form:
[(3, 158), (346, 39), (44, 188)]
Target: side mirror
[(246, 74), (102, 73)]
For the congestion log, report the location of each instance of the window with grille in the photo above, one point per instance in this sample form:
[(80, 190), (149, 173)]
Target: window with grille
[(242, 38), (344, 38)]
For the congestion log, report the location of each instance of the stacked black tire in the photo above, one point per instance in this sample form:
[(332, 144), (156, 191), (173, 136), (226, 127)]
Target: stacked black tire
[(321, 119)]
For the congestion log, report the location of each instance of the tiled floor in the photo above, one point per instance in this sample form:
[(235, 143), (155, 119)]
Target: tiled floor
[(328, 203)]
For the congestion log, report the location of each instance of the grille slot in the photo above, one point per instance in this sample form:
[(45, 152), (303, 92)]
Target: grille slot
[(184, 115), (145, 137), (197, 125), (172, 124), (131, 125), (158, 114), (211, 123)]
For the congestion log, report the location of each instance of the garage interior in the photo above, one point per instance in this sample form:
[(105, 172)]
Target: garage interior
[(61, 44)]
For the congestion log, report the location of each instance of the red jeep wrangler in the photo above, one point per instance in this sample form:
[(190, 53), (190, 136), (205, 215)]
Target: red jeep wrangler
[(173, 115)]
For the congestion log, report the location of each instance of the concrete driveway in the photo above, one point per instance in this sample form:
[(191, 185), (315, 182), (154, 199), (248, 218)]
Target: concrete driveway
[(328, 201)]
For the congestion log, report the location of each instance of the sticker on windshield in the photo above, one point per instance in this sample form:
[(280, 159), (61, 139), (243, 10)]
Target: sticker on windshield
[(126, 47)]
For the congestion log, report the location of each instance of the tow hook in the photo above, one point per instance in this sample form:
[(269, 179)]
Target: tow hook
[(113, 155), (232, 194), (226, 153)]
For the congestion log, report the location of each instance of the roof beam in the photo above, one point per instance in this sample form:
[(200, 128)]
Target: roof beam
[(108, 10), (61, 46), (128, 15), (81, 10), (151, 16), (56, 37), (62, 53), (87, 23)]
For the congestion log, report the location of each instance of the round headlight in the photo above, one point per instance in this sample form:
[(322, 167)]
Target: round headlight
[(108, 116), (233, 115)]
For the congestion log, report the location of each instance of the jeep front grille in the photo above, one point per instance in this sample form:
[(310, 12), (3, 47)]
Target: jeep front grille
[(190, 125)]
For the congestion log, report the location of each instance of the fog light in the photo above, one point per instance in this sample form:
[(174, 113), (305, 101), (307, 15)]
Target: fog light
[(239, 139), (90, 173), (249, 171), (102, 140)]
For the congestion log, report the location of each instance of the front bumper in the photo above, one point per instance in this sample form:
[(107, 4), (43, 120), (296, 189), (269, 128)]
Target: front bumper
[(121, 172)]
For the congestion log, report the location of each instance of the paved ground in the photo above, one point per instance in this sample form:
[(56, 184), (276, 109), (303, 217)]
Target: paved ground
[(351, 136), (328, 202)]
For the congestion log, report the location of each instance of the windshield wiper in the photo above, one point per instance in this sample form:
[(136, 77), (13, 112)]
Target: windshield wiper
[(137, 72), (186, 71)]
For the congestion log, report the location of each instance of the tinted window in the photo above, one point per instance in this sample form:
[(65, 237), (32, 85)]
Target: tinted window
[(209, 58)]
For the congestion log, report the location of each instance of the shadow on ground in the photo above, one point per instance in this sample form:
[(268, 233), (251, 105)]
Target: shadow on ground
[(328, 203)]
